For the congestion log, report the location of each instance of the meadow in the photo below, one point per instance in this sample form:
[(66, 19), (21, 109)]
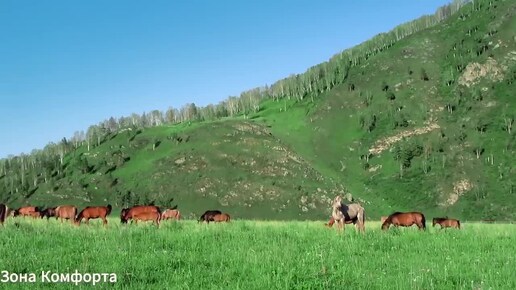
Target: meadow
[(248, 254)]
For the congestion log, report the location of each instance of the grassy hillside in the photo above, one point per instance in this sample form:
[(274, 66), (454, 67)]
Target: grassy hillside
[(424, 124)]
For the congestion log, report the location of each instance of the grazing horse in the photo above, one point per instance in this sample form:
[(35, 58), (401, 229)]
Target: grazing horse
[(348, 213), (221, 217), (26, 211), (332, 221), (66, 212), (446, 223), (136, 210), (147, 216), (3, 213), (48, 212), (171, 214), (93, 212), (405, 219), (208, 215)]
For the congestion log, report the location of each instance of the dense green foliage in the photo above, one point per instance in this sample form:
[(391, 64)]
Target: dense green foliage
[(254, 255), (420, 118)]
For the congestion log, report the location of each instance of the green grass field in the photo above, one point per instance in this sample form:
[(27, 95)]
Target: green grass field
[(261, 255)]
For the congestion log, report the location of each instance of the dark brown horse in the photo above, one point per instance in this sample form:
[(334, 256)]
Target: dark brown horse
[(171, 214), (48, 212), (208, 215), (122, 215), (66, 212), (136, 210), (405, 219), (93, 212), (26, 211), (147, 216), (446, 223), (3, 213), (221, 217)]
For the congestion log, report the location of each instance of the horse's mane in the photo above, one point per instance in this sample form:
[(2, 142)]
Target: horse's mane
[(438, 219)]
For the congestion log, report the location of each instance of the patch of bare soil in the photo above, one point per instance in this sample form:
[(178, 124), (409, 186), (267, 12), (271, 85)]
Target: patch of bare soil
[(385, 143), (459, 188), (474, 72)]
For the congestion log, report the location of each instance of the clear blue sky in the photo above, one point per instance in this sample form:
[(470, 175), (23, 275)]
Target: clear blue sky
[(65, 65)]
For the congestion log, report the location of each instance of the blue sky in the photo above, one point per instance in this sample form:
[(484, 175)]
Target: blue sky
[(65, 65)]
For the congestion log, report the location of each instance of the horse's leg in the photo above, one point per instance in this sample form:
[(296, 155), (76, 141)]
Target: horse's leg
[(341, 225), (104, 220), (87, 221)]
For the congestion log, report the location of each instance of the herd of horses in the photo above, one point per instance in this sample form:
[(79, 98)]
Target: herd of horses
[(355, 214), (341, 214), (134, 214)]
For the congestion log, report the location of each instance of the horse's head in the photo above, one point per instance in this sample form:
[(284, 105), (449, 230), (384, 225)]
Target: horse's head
[(337, 202), (385, 225)]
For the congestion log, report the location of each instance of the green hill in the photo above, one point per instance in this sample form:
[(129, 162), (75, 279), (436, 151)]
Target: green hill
[(419, 118)]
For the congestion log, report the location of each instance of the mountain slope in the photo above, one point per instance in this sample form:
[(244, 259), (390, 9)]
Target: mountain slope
[(421, 123), (449, 91)]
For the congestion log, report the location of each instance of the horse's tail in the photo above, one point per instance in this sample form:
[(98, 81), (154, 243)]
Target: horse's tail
[(458, 224), (109, 208), (229, 218), (423, 221), (3, 212), (78, 216)]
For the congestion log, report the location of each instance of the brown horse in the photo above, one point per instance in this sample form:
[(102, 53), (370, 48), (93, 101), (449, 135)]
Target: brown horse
[(348, 213), (48, 212), (332, 221), (446, 223), (221, 217), (136, 210), (147, 216), (171, 214), (405, 219), (93, 212), (3, 213), (66, 212), (208, 215), (26, 211)]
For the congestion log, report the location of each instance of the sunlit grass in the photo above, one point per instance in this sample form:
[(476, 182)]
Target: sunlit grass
[(262, 255)]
